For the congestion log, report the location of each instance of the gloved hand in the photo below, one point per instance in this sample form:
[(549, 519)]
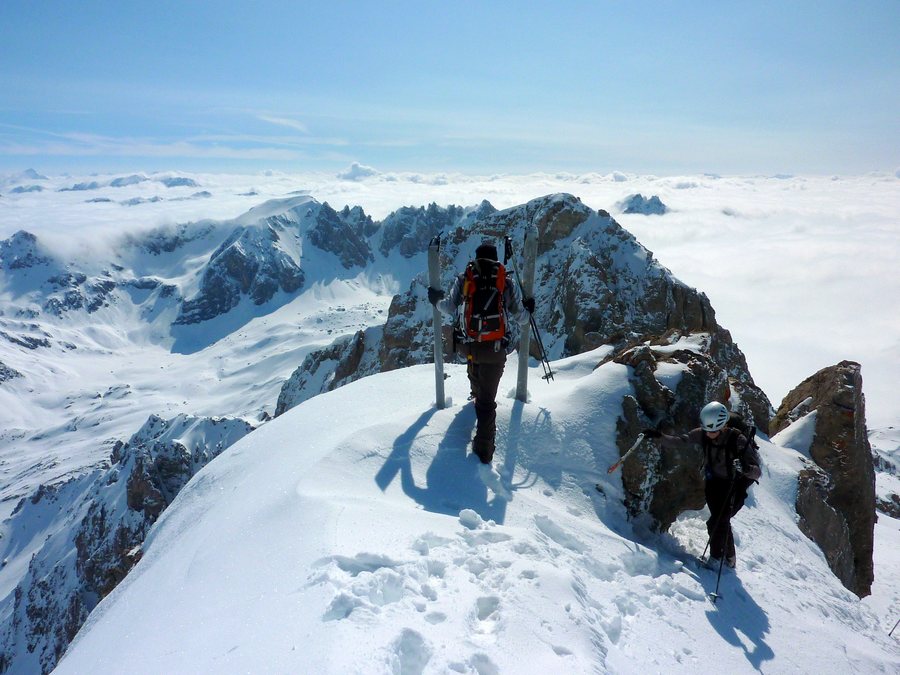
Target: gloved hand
[(435, 295), (528, 303), (651, 433), (752, 473)]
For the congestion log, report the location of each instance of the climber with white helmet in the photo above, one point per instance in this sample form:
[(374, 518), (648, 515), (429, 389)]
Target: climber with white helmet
[(732, 465)]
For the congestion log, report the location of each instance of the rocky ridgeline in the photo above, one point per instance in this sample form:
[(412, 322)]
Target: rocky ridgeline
[(99, 521), (836, 492), (595, 285), (254, 257)]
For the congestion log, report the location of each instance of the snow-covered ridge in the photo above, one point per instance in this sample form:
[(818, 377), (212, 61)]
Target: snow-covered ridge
[(335, 543)]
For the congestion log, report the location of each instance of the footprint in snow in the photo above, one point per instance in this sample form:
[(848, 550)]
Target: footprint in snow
[(410, 653), (487, 615)]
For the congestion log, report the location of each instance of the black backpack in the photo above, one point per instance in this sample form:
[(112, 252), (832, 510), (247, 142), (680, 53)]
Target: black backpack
[(748, 429)]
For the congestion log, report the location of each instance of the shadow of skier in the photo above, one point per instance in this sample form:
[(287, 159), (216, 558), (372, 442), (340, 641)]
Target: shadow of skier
[(452, 482), (736, 614)]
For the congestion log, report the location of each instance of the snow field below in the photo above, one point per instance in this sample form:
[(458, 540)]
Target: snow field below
[(354, 534)]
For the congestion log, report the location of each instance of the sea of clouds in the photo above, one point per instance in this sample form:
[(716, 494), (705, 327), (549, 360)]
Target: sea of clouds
[(801, 269)]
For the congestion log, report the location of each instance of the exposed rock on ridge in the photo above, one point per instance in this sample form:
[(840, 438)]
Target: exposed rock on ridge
[(836, 494), (663, 485)]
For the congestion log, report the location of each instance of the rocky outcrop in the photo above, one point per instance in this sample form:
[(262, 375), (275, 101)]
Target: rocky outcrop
[(21, 251), (74, 290), (167, 240), (323, 370), (642, 205), (672, 379), (101, 519), (249, 263), (7, 373), (26, 341), (836, 493), (346, 239), (408, 229)]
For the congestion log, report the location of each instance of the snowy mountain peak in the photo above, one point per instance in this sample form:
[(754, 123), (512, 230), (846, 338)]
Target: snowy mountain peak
[(278, 207), (22, 251)]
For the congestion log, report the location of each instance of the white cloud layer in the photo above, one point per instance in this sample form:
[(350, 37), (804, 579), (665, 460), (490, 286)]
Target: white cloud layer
[(802, 270)]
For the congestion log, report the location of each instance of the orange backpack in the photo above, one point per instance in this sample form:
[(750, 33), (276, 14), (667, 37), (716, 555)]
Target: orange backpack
[(483, 316)]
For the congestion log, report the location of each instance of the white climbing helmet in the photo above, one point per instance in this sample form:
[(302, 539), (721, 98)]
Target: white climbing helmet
[(713, 416)]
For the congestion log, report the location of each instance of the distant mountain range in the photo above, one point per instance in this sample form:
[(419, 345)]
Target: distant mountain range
[(123, 374)]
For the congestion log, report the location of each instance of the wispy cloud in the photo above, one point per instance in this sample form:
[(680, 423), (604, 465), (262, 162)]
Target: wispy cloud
[(285, 122), (87, 145), (288, 141)]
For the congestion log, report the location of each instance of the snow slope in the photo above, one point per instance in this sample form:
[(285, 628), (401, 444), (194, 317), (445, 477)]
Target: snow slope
[(354, 534)]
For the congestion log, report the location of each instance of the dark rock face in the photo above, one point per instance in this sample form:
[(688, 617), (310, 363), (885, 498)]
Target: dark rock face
[(409, 229), (109, 513), (890, 506), (358, 221), (7, 373), (347, 241), (323, 370), (21, 251), (165, 240), (74, 290), (249, 262), (836, 497), (26, 341)]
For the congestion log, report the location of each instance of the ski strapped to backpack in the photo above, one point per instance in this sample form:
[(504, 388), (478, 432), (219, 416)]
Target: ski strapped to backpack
[(545, 362), (483, 316)]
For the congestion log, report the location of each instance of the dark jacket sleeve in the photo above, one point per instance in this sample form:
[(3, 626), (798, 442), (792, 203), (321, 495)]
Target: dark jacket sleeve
[(750, 461), (686, 441)]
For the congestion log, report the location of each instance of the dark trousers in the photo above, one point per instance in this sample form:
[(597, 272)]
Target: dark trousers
[(724, 501), (485, 368)]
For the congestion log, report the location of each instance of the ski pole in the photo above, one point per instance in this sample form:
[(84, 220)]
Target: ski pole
[(621, 459), (545, 362), (894, 628), (715, 594)]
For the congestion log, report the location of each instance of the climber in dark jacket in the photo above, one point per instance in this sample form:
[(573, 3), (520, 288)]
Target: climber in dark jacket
[(732, 465), (485, 360)]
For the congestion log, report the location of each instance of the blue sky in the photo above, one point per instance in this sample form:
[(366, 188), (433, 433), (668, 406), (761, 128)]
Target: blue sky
[(472, 87)]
